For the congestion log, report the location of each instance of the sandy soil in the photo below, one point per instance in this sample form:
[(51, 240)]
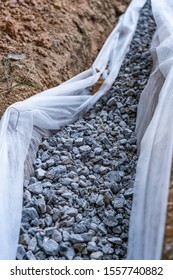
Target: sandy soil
[(168, 240), (45, 42)]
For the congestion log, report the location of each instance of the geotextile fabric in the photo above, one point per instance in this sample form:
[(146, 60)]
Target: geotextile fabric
[(155, 141)]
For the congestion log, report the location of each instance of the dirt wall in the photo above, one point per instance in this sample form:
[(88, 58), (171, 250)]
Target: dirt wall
[(45, 42)]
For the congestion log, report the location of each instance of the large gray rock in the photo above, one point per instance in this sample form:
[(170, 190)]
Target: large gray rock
[(113, 177), (21, 253), (36, 188), (71, 211), (50, 247), (76, 238), (96, 255), (79, 228), (29, 214), (118, 203), (85, 149), (41, 204), (30, 256), (57, 236), (92, 247), (115, 240), (40, 173), (32, 244), (67, 251)]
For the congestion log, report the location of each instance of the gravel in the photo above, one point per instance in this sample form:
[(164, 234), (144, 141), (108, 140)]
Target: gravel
[(78, 203)]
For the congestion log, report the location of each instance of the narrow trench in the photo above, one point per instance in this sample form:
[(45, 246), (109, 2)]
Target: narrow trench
[(78, 203)]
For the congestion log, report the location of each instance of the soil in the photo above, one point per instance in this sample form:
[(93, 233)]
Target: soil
[(45, 42), (168, 239)]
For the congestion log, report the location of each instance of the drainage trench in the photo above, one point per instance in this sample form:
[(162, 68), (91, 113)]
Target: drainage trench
[(77, 203)]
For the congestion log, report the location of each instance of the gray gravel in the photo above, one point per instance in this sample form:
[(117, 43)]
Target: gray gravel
[(77, 205)]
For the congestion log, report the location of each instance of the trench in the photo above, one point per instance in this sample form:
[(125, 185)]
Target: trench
[(77, 203)]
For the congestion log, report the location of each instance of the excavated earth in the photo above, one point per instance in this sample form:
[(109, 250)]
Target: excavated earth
[(168, 240), (45, 42)]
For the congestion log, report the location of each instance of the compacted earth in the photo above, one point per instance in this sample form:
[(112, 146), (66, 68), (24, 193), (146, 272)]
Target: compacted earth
[(45, 42)]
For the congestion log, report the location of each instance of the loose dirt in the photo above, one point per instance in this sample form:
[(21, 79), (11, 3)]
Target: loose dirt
[(168, 239), (45, 42)]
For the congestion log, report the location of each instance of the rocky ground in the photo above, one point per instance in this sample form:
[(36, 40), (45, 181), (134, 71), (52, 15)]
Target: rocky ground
[(45, 42), (77, 205)]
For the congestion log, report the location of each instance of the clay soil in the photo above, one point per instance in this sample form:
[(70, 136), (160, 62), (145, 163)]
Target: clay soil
[(45, 42)]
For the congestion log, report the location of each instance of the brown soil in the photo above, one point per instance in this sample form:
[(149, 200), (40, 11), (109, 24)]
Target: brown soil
[(45, 42), (168, 242)]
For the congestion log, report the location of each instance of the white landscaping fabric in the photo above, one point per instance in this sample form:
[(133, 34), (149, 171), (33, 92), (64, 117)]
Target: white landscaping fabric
[(155, 132), (24, 122)]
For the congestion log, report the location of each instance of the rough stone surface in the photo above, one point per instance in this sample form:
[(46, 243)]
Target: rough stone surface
[(20, 252), (50, 247)]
